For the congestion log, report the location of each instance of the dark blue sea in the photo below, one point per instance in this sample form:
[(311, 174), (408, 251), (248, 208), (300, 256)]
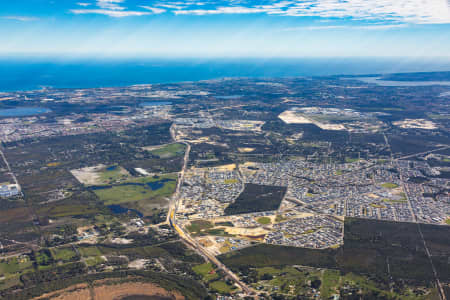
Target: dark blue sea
[(35, 73)]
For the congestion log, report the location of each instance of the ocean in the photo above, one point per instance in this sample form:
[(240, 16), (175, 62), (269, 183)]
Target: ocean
[(35, 73)]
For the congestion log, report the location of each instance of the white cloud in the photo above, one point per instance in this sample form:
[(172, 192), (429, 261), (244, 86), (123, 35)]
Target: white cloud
[(172, 6), (112, 8), (20, 18), (111, 13), (110, 4), (222, 10), (363, 27), (154, 10), (395, 11), (414, 11), (83, 4), (411, 11)]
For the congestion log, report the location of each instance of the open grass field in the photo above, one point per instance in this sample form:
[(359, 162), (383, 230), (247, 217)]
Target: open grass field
[(389, 185), (231, 181), (14, 265), (263, 220), (221, 287), (123, 194), (89, 251), (351, 160), (167, 151), (287, 280), (111, 174), (64, 254), (71, 210), (94, 260), (207, 271), (138, 189), (198, 226)]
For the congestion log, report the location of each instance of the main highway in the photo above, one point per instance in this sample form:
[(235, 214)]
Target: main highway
[(171, 219)]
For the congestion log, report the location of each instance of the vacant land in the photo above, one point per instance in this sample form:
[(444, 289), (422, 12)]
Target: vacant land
[(167, 151), (257, 198), (63, 254), (389, 185), (129, 290), (198, 226), (221, 287), (118, 291), (207, 271), (14, 265), (137, 189), (263, 220)]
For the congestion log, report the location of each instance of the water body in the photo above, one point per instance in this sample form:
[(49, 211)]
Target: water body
[(155, 103), (35, 73), (23, 111), (231, 97), (118, 209), (378, 81)]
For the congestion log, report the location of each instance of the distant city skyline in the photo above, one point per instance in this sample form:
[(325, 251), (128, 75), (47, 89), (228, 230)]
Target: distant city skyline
[(290, 28)]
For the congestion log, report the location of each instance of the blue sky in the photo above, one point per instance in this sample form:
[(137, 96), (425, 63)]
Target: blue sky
[(234, 28)]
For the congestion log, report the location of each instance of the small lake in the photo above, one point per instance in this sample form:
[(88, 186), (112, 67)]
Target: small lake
[(111, 168), (23, 111), (155, 103), (378, 81)]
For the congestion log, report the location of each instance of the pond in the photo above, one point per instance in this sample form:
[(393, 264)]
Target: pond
[(23, 111)]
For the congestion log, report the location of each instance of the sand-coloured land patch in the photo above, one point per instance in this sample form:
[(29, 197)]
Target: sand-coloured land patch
[(229, 167), (119, 291), (76, 292), (415, 123), (291, 117), (112, 292), (246, 150), (246, 231), (88, 175)]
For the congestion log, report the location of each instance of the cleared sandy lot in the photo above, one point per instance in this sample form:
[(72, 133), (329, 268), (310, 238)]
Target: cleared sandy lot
[(111, 291), (415, 123), (291, 117)]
